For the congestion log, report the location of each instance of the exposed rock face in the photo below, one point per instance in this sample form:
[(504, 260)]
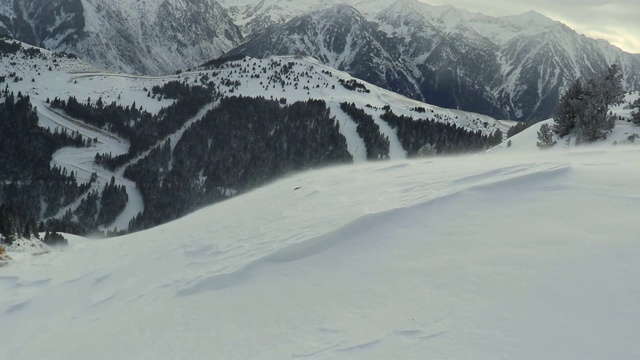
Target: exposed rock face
[(147, 37)]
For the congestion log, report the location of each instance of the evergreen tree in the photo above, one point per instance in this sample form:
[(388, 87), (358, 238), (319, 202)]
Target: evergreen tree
[(568, 109), (635, 115), (427, 150), (601, 92), (496, 137), (585, 108), (545, 137)]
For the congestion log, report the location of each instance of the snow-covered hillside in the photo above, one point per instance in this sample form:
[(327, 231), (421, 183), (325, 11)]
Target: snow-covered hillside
[(323, 82), (491, 256), (624, 132), (253, 17), (47, 76)]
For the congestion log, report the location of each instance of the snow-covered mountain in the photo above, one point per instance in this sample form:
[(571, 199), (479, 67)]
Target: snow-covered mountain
[(278, 81), (510, 67), (144, 36), (506, 67), (253, 17), (341, 38)]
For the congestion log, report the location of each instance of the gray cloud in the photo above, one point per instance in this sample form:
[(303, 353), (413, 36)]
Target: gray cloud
[(615, 21)]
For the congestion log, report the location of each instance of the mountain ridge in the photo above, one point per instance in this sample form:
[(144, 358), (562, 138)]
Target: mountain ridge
[(143, 37), (509, 67)]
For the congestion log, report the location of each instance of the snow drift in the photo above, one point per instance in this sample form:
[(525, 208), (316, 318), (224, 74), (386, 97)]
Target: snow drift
[(491, 256)]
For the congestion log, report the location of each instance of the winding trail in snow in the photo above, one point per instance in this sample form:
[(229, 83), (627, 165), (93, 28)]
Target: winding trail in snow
[(81, 162)]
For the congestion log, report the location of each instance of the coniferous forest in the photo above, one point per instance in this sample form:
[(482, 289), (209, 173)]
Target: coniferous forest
[(446, 138), (30, 188), (241, 144)]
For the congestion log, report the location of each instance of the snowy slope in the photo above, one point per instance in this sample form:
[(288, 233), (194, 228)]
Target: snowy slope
[(624, 132), (533, 256), (51, 76), (323, 82)]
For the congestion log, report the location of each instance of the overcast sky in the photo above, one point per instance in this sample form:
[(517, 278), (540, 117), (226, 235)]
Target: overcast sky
[(615, 21)]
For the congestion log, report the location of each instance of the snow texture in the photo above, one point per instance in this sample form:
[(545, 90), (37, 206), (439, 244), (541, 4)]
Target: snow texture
[(531, 255)]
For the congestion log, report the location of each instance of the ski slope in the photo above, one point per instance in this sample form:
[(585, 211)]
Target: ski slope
[(527, 255)]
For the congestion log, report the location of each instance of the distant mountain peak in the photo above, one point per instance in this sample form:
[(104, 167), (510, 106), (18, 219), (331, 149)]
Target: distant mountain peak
[(531, 18)]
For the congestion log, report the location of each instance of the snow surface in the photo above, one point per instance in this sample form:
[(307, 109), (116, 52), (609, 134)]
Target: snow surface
[(31, 246), (493, 256), (508, 255)]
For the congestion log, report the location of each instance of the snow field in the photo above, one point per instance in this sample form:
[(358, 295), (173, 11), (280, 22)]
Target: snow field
[(501, 256)]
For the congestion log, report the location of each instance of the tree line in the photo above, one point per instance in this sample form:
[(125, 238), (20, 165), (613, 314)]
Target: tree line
[(443, 138)]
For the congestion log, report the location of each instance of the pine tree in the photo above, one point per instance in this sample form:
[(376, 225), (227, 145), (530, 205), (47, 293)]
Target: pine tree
[(427, 150), (545, 137), (635, 115), (496, 137), (601, 92), (585, 108), (610, 83), (568, 109)]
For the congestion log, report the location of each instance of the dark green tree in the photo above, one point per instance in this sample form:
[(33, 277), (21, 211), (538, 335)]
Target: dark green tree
[(545, 137), (584, 108)]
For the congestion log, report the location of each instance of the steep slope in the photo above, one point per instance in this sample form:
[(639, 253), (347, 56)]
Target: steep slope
[(253, 17), (508, 67), (149, 37), (482, 257), (453, 65)]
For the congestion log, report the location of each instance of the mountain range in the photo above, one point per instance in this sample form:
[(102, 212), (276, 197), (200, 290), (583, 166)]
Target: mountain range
[(512, 67)]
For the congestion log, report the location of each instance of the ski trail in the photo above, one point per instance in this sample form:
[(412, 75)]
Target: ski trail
[(81, 162)]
